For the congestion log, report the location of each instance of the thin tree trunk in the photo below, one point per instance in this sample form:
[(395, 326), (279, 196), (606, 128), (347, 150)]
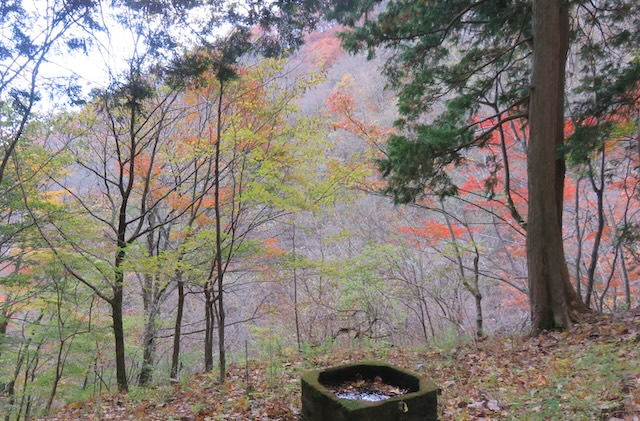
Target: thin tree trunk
[(579, 236), (4, 324), (56, 378), (513, 210), (599, 191), (148, 343), (218, 258), (10, 387), (425, 315), (625, 278), (553, 300), (477, 295), (118, 333), (32, 379), (608, 283), (175, 356), (61, 356), (151, 296), (423, 321), (209, 326), (475, 289), (177, 332), (637, 137), (295, 289)]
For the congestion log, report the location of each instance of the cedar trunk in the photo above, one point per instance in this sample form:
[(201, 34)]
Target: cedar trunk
[(554, 302)]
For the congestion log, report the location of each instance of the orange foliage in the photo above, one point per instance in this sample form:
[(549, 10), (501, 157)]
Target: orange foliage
[(373, 185), (324, 47), (342, 103), (569, 128), (180, 202), (570, 187), (271, 247), (517, 250), (472, 185), (203, 220), (435, 232), (516, 299)]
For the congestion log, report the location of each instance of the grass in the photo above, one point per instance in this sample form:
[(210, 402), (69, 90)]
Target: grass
[(591, 373)]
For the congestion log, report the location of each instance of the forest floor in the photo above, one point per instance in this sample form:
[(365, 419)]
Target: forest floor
[(591, 373)]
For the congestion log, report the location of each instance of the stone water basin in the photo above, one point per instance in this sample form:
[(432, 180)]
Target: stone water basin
[(404, 397)]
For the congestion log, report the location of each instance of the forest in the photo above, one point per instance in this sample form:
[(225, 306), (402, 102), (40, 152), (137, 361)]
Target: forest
[(196, 186)]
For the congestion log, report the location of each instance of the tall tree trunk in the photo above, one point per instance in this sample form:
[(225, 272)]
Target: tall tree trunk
[(595, 251), (222, 357), (116, 316), (477, 295), (475, 288), (209, 319), (638, 137), (151, 295), (425, 316), (56, 377), (118, 333), (614, 265), (175, 356), (177, 332), (553, 300), (295, 288), (148, 343), (579, 236), (625, 278), (4, 323), (9, 388)]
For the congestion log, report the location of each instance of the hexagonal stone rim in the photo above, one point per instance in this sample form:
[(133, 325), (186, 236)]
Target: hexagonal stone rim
[(320, 403)]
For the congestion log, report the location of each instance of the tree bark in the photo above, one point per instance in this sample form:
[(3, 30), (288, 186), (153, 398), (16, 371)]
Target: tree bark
[(118, 333), (222, 358), (475, 289), (625, 279), (151, 296), (579, 237), (148, 342), (554, 302), (595, 251), (209, 319), (295, 288), (175, 356), (60, 358)]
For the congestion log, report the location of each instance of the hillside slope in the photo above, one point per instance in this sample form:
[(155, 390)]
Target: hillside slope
[(590, 374)]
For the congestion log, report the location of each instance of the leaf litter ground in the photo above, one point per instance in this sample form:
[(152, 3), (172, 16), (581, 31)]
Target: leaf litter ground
[(591, 373)]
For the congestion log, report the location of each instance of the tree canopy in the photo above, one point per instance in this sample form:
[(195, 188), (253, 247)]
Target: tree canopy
[(234, 185), (457, 65)]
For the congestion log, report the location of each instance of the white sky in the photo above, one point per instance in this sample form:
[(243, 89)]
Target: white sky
[(109, 52), (108, 56)]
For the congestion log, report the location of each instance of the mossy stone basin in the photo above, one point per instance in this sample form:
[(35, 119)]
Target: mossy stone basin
[(319, 402)]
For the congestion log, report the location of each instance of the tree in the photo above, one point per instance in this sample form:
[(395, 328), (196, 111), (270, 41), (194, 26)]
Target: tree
[(25, 288), (118, 140), (35, 36), (486, 55), (118, 144), (243, 124), (552, 297), (30, 39)]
